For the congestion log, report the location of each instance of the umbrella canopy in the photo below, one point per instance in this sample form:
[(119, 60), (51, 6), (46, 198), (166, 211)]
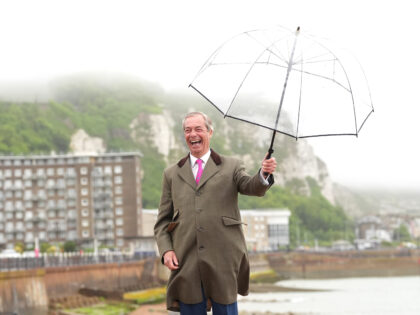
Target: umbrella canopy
[(287, 81)]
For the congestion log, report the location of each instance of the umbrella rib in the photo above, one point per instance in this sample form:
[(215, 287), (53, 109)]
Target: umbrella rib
[(300, 100), (281, 66), (288, 134), (316, 75), (289, 68), (278, 53), (246, 75), (360, 128)]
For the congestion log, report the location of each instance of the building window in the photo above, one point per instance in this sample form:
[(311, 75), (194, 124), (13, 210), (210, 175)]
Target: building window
[(120, 242), (118, 201), (7, 184), (28, 183), (84, 191), (118, 180), (85, 212), (119, 222), (108, 170), (60, 171), (120, 232), (117, 169), (118, 211), (85, 202), (83, 170), (71, 214), (18, 172), (50, 171), (85, 223), (7, 173), (27, 172), (84, 180), (85, 233), (118, 190)]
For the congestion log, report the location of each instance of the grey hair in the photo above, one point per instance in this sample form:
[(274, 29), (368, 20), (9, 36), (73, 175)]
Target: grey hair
[(207, 120)]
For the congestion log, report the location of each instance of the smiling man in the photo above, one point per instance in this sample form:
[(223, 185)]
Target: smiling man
[(199, 229)]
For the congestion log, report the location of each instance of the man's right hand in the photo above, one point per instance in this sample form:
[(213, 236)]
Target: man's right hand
[(170, 260)]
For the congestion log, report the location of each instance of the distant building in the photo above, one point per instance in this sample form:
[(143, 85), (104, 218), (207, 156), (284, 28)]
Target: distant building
[(67, 197), (264, 230), (149, 217)]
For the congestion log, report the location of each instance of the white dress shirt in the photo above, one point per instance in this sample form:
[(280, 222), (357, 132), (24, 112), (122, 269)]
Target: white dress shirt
[(194, 165)]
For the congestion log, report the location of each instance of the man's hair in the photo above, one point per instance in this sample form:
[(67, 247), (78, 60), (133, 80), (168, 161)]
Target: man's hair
[(207, 120)]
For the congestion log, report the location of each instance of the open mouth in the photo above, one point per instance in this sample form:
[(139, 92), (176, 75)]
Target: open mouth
[(195, 142)]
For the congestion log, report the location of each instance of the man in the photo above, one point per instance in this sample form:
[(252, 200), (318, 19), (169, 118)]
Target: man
[(199, 229)]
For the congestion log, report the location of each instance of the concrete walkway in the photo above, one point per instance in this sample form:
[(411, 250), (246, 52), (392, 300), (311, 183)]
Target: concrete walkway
[(155, 309)]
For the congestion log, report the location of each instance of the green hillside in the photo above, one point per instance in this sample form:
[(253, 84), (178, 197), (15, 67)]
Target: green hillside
[(105, 106)]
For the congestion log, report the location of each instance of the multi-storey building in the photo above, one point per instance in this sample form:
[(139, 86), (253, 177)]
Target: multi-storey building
[(70, 197), (266, 230)]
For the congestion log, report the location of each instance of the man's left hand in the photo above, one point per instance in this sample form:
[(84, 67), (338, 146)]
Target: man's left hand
[(268, 166)]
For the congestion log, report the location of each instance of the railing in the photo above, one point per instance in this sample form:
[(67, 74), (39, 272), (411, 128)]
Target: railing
[(70, 259)]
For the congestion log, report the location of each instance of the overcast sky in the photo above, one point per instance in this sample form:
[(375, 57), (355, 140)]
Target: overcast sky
[(167, 41)]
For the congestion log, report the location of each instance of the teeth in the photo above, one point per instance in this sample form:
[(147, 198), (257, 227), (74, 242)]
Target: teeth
[(194, 142)]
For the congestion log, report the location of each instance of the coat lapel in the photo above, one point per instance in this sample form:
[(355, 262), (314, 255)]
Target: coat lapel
[(211, 168), (185, 171)]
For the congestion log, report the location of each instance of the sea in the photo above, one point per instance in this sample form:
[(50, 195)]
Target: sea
[(344, 296)]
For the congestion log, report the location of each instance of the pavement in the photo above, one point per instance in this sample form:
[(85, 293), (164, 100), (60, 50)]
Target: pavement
[(154, 309)]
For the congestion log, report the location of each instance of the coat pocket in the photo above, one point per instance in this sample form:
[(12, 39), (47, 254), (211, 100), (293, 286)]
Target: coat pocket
[(172, 225), (231, 221)]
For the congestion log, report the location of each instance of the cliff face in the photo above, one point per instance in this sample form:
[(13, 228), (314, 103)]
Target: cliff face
[(296, 159)]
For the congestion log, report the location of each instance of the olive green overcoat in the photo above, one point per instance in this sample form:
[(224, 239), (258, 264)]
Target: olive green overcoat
[(202, 224)]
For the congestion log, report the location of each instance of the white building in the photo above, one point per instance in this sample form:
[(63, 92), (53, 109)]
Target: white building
[(266, 230)]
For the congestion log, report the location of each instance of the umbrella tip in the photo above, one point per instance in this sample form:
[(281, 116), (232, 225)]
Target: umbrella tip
[(298, 29)]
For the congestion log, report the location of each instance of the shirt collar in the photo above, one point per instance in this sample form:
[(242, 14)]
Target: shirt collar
[(204, 158)]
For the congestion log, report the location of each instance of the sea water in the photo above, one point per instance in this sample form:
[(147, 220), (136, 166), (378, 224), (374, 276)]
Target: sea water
[(356, 296)]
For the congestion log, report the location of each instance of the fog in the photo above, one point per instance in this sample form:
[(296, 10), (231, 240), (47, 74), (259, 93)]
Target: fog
[(167, 42)]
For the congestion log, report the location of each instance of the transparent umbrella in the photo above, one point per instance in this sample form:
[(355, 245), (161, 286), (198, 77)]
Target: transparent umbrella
[(287, 81)]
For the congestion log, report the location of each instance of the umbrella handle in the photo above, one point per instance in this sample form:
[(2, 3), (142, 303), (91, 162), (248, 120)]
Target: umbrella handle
[(270, 151)]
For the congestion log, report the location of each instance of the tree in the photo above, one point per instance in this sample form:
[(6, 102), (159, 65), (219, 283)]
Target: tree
[(69, 246), (402, 234), (20, 247), (44, 247)]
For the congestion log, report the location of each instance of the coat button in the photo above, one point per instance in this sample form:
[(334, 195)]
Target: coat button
[(197, 193), (201, 247), (200, 229)]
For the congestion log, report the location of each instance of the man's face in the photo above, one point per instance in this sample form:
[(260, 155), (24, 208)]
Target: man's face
[(197, 136)]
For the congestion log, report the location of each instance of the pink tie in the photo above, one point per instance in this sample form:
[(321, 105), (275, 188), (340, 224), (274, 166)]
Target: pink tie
[(200, 171)]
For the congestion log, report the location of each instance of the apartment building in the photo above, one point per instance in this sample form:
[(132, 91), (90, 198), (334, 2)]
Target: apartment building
[(70, 197), (266, 230)]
